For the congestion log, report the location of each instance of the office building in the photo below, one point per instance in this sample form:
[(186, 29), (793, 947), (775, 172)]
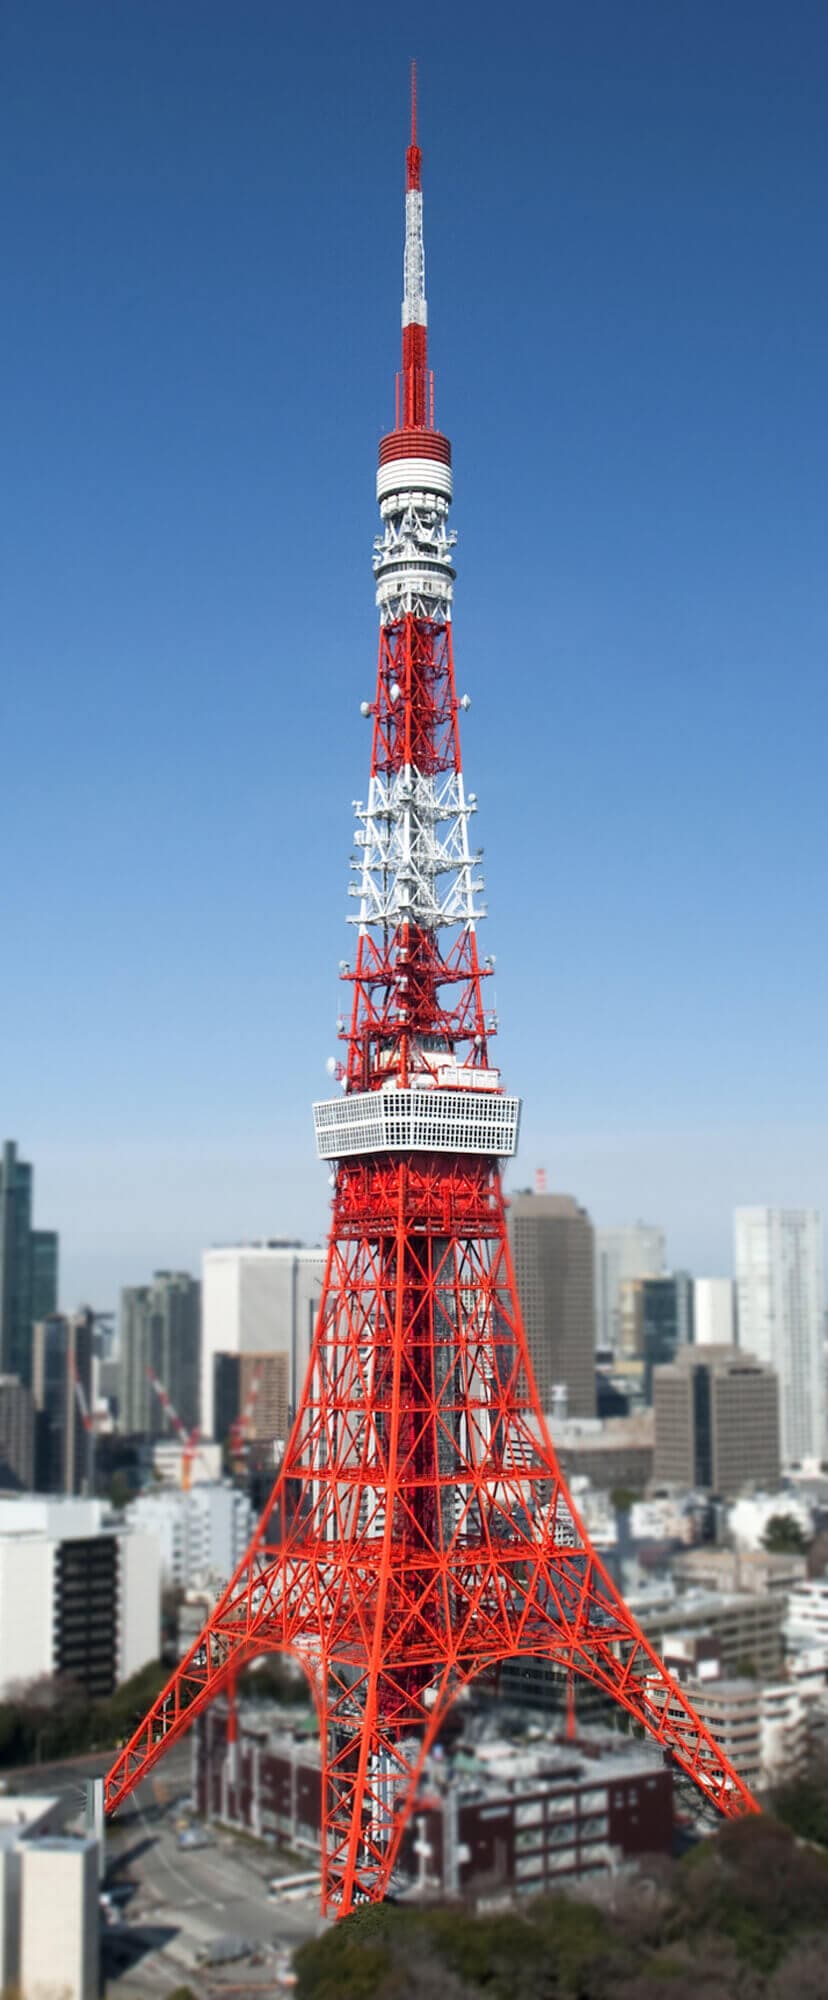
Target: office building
[(62, 1364), (259, 1298), (253, 1392), (16, 1435), (523, 1818), (716, 1421), (747, 1625), (780, 1308), (615, 1452), (634, 1251), (656, 1319), (714, 1316), (49, 1924), (28, 1266), (80, 1594), (160, 1332), (553, 1252), (199, 1533)]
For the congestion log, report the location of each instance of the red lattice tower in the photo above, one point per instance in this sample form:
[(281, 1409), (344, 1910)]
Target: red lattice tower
[(429, 1534)]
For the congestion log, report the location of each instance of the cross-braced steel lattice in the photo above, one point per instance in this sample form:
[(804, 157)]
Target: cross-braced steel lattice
[(425, 1533)]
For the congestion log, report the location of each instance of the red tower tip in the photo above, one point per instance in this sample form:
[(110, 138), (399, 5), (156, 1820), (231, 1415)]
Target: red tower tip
[(413, 158)]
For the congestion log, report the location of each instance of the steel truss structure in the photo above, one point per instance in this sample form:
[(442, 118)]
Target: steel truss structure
[(425, 1531)]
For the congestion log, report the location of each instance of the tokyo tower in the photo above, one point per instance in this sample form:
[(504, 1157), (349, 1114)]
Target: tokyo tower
[(425, 1533)]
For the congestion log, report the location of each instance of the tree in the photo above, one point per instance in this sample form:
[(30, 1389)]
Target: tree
[(783, 1536)]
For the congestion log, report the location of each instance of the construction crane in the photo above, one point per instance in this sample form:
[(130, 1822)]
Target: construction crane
[(188, 1439), (88, 1421)]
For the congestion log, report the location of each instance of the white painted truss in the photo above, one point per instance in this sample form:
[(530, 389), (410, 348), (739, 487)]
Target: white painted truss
[(413, 557), (414, 308), (413, 858), (417, 1121)]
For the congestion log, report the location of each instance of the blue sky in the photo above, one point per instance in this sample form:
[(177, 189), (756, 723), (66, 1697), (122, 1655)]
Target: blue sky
[(626, 215)]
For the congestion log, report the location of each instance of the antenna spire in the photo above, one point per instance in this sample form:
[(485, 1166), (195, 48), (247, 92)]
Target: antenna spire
[(413, 158)]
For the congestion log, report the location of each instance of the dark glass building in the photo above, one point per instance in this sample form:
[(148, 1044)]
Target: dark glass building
[(28, 1266)]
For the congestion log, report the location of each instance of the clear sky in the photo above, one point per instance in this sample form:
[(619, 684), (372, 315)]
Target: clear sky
[(627, 274)]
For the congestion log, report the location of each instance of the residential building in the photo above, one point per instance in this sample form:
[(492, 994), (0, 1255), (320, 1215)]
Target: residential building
[(80, 1594), (807, 1615), (16, 1435), (62, 1365), (714, 1313), (259, 1298), (634, 1251), (201, 1532), (160, 1332), (552, 1247), (506, 1817), (780, 1303), (49, 1922), (716, 1421), (28, 1266)]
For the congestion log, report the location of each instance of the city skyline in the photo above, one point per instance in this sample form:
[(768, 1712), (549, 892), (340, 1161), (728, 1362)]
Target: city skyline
[(652, 445)]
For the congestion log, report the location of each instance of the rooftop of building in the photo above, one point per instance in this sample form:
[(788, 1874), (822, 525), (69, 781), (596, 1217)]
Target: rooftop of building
[(22, 1813)]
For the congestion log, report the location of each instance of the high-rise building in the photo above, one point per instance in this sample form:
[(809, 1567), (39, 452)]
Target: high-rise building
[(253, 1389), (62, 1366), (634, 1251), (716, 1421), (28, 1266), (259, 1298), (714, 1323), (160, 1331), (780, 1308), (16, 1435), (552, 1247), (656, 1319)]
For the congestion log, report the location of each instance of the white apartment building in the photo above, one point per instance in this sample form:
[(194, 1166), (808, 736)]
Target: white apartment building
[(634, 1251), (80, 1594), (780, 1294), (198, 1534), (258, 1298), (806, 1625), (714, 1317), (48, 1903)]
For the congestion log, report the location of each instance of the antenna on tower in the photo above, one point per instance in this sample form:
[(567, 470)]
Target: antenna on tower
[(413, 158)]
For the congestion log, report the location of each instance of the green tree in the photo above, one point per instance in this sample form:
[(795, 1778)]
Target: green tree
[(783, 1536)]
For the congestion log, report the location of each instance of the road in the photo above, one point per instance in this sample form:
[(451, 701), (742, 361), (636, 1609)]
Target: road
[(177, 1902)]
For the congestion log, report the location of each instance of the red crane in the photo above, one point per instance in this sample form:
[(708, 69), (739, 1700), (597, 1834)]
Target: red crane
[(434, 1535), (188, 1439)]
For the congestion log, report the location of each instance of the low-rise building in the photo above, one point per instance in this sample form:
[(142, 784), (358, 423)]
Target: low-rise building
[(615, 1452), (748, 1625), (80, 1594), (48, 1903), (806, 1624), (710, 1568), (494, 1816)]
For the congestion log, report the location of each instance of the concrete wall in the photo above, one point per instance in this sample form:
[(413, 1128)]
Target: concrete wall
[(59, 1920), (26, 1620), (139, 1635)]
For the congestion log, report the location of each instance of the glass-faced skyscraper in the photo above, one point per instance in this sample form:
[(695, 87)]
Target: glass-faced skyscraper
[(28, 1266)]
